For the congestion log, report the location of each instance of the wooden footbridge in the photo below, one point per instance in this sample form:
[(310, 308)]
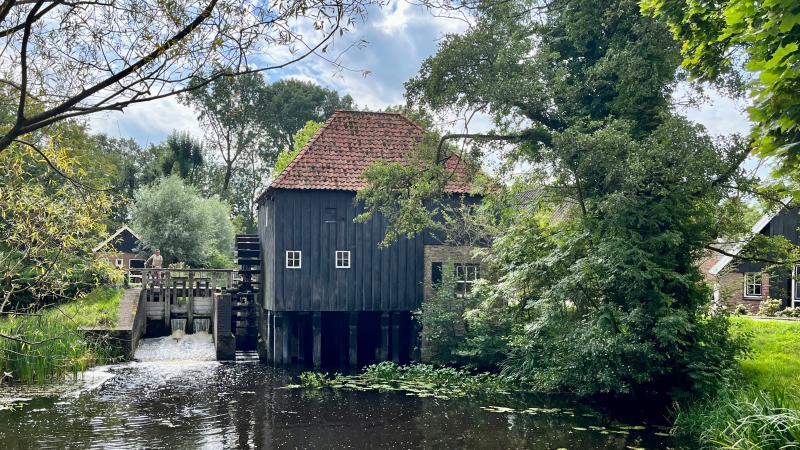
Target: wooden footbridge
[(218, 301)]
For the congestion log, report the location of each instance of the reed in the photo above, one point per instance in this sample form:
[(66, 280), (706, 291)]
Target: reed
[(50, 345)]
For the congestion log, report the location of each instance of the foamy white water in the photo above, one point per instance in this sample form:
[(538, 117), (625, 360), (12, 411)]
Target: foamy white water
[(178, 347)]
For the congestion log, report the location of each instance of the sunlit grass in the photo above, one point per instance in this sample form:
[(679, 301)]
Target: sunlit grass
[(51, 345), (774, 363), (762, 409)]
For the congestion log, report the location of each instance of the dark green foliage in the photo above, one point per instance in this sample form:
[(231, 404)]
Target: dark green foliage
[(596, 271)]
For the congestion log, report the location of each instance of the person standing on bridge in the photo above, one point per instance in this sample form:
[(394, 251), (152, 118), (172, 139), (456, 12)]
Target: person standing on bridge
[(155, 261)]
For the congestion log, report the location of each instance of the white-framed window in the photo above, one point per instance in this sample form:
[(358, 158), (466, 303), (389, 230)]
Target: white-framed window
[(342, 259), (294, 259), (119, 262), (796, 286), (752, 284), (466, 276)]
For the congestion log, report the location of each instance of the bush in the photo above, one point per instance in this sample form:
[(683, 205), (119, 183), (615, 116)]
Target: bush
[(172, 217), (789, 312), (741, 310), (769, 307), (741, 420)]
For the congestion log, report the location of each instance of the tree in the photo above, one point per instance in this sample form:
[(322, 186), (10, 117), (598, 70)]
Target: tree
[(299, 140), (608, 298), (232, 113), (48, 226), (70, 59), (292, 103), (172, 217), (718, 36), (180, 155)]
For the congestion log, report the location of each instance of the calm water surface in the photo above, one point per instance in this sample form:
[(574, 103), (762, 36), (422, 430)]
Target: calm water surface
[(189, 405)]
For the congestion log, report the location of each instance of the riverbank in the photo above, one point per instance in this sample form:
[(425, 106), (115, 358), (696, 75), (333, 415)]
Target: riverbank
[(50, 345), (762, 408)]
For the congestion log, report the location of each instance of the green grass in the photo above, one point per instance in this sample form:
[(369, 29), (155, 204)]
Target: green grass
[(774, 364), (51, 344), (760, 411)]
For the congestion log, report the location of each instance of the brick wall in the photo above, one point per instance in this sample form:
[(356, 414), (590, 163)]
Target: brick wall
[(731, 291), (445, 254)]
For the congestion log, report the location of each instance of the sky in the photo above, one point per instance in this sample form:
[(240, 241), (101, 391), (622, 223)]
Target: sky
[(398, 38)]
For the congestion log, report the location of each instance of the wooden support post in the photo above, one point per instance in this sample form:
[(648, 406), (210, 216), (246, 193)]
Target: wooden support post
[(281, 338), (166, 298), (190, 310), (396, 337), (415, 344), (353, 347), (316, 330), (384, 353), (270, 343)]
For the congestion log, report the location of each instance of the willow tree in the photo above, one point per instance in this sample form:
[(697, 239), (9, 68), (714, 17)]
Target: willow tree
[(608, 298)]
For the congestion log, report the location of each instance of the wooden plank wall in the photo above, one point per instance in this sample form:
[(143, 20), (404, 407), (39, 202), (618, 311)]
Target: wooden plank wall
[(378, 280)]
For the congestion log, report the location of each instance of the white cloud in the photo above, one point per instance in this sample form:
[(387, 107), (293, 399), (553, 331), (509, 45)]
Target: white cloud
[(148, 123)]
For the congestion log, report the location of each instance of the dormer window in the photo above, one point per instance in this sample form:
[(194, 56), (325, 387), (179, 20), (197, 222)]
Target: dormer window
[(294, 259)]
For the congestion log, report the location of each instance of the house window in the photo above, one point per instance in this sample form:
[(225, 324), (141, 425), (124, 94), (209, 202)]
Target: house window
[(293, 259), (119, 262), (342, 259), (752, 284), (466, 276), (329, 215), (796, 286)]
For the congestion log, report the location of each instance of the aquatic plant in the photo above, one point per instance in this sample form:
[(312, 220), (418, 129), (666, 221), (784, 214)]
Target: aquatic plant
[(422, 380), (50, 345)]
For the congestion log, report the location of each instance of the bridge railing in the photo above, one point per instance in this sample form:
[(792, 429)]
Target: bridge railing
[(185, 292)]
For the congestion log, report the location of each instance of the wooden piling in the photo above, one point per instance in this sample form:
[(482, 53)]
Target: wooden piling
[(384, 350), (353, 335), (316, 329), (396, 337)]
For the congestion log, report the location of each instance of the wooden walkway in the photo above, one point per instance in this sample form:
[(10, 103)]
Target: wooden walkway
[(127, 309)]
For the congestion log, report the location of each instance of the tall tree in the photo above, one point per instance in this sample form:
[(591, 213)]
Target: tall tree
[(719, 36), (292, 103), (69, 59), (233, 117), (608, 297)]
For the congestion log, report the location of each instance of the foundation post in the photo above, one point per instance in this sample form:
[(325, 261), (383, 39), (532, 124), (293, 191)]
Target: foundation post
[(316, 326), (353, 335), (384, 352), (396, 337)]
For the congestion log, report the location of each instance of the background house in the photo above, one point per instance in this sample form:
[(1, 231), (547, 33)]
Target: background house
[(330, 294), (121, 250), (741, 282)]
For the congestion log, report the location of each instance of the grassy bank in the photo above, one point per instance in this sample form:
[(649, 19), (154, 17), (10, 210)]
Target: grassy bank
[(50, 344), (762, 409)]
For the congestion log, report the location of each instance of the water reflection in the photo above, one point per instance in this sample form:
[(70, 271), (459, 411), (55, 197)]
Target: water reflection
[(212, 405)]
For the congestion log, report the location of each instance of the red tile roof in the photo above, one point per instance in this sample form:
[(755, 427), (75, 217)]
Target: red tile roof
[(349, 142)]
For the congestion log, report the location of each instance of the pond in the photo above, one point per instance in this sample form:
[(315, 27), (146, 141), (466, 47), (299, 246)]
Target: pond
[(206, 404)]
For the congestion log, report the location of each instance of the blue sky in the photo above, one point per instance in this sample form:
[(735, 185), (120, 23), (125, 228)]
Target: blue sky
[(399, 37)]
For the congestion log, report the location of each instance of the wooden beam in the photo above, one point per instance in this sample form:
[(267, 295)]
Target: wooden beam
[(384, 351), (316, 329), (190, 310), (353, 335), (396, 337)]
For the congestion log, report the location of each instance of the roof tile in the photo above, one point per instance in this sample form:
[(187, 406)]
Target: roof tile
[(348, 143)]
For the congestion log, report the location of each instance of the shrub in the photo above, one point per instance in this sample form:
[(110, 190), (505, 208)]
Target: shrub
[(769, 307), (741, 310), (741, 420), (172, 217), (789, 312)]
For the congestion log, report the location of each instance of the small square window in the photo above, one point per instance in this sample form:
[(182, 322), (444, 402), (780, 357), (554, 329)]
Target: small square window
[(752, 284), (466, 276), (294, 259), (119, 263), (342, 259)]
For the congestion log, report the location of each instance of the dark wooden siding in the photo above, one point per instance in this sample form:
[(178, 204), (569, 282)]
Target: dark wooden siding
[(378, 279)]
